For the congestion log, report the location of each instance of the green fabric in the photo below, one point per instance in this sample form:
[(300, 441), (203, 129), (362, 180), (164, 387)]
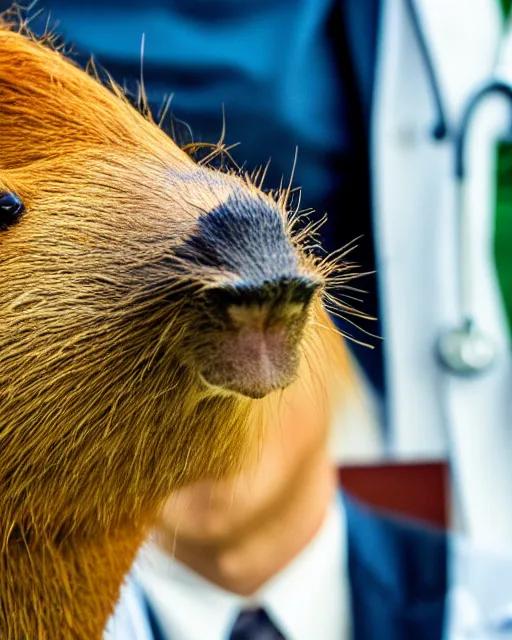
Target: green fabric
[(503, 211), (505, 6), (503, 224)]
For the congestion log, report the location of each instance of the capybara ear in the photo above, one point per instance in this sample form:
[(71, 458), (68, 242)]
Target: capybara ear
[(50, 107)]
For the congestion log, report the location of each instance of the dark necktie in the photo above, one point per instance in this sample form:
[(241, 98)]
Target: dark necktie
[(254, 624)]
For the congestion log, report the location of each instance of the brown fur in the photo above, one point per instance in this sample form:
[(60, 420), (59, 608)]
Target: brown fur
[(101, 415)]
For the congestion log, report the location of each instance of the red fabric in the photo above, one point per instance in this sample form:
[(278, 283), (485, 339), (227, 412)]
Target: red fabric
[(416, 490)]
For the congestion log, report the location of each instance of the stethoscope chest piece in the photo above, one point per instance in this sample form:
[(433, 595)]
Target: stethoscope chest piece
[(466, 350)]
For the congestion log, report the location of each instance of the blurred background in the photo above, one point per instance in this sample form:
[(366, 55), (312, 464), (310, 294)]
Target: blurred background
[(376, 97)]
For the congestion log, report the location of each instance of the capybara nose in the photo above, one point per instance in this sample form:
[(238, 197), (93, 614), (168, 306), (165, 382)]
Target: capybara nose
[(257, 347), (277, 296)]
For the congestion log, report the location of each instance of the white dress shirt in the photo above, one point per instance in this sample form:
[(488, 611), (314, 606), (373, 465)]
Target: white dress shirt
[(308, 599)]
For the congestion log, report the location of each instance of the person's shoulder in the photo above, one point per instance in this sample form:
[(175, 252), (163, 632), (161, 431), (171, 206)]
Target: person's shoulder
[(408, 557), (130, 618)]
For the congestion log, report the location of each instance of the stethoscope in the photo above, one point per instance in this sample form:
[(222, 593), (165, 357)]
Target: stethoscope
[(464, 349)]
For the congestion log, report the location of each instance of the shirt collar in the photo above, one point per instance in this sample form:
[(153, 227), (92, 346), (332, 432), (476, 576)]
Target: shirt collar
[(186, 606), (308, 598)]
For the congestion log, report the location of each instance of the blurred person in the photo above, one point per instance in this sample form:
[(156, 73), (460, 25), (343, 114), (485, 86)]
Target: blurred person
[(279, 553)]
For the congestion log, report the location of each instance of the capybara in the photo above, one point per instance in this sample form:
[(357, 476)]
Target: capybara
[(152, 311)]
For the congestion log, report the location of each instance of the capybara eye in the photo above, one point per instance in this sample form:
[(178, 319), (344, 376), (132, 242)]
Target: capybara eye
[(11, 208)]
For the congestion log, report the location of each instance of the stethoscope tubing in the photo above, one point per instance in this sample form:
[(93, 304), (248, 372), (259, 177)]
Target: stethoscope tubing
[(464, 349)]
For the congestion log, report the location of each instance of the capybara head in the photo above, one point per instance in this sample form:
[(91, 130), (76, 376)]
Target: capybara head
[(147, 303)]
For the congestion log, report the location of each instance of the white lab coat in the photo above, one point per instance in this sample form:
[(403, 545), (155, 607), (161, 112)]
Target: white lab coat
[(433, 413)]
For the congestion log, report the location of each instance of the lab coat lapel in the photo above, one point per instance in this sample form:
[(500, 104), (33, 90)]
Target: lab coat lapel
[(431, 412), (481, 406), (450, 27)]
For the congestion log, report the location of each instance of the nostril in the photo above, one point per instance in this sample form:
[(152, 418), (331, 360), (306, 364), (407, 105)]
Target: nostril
[(284, 291)]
